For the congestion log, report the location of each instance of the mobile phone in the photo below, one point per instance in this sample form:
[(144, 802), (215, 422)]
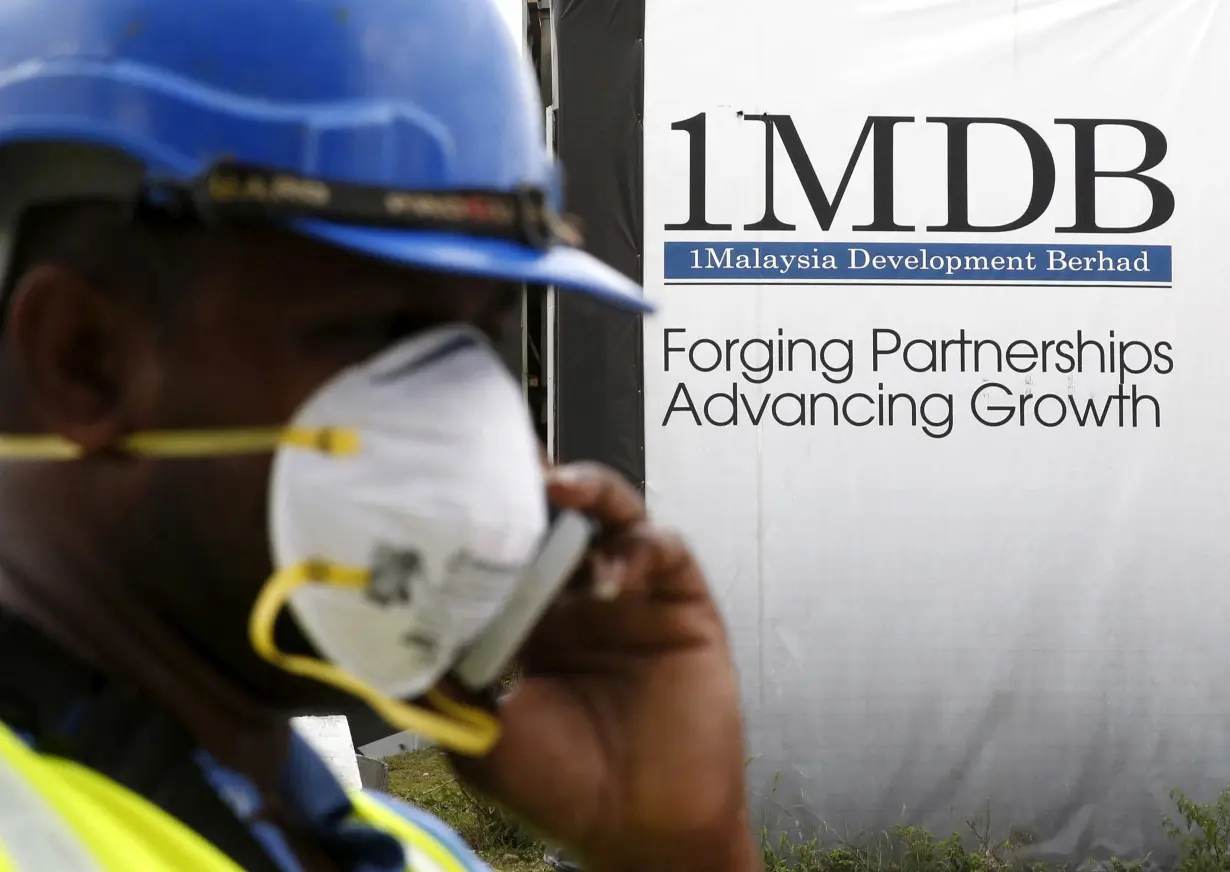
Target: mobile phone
[(562, 551)]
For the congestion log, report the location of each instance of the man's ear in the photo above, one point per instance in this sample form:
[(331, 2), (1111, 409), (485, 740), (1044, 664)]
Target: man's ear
[(68, 345)]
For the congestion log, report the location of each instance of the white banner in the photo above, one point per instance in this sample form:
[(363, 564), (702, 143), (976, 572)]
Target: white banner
[(937, 392)]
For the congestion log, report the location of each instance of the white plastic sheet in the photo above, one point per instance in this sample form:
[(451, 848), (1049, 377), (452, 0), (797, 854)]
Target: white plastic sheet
[(514, 12)]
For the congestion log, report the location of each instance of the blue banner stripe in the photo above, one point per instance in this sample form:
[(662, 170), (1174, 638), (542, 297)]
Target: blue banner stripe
[(991, 263)]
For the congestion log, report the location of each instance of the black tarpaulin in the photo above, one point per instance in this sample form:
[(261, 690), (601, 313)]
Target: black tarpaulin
[(600, 55)]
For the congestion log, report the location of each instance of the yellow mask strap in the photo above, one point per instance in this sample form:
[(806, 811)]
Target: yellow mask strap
[(191, 443), (466, 729), (462, 728)]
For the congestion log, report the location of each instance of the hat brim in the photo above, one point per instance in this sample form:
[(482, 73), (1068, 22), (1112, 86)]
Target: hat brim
[(560, 266)]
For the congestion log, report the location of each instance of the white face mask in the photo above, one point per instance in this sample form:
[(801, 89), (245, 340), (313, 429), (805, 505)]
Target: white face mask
[(407, 514), (444, 504), (424, 535)]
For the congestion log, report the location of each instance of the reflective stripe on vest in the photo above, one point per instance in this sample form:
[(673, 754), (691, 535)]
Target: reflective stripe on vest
[(32, 834), (57, 815), (424, 852)]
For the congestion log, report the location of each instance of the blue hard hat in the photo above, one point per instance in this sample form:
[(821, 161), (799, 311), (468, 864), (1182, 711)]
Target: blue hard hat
[(408, 130)]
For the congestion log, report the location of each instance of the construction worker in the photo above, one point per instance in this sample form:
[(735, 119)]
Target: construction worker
[(260, 460)]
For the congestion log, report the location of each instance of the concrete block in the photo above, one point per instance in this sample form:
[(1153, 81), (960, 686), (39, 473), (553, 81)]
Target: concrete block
[(373, 773), (330, 737)]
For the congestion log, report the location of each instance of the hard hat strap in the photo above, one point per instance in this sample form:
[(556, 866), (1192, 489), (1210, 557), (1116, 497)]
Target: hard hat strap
[(233, 191)]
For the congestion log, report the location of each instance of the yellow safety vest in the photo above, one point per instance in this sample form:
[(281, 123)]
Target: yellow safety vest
[(58, 816)]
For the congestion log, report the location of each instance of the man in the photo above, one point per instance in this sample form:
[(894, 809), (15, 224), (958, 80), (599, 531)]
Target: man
[(250, 253)]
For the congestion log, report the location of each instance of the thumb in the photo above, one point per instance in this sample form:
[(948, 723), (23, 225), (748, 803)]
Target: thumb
[(547, 767)]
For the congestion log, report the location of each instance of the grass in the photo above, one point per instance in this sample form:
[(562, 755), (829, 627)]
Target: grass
[(1200, 830), (425, 779)]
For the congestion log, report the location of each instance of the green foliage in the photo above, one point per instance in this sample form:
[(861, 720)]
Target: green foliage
[(1205, 834), (908, 849), (1202, 835)]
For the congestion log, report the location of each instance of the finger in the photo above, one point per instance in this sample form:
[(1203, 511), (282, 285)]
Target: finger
[(643, 592), (584, 637), (644, 560), (597, 491)]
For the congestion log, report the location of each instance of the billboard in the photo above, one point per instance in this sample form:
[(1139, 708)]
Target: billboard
[(936, 390)]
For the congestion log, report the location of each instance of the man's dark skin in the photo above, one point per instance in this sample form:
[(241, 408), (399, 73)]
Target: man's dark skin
[(623, 741)]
